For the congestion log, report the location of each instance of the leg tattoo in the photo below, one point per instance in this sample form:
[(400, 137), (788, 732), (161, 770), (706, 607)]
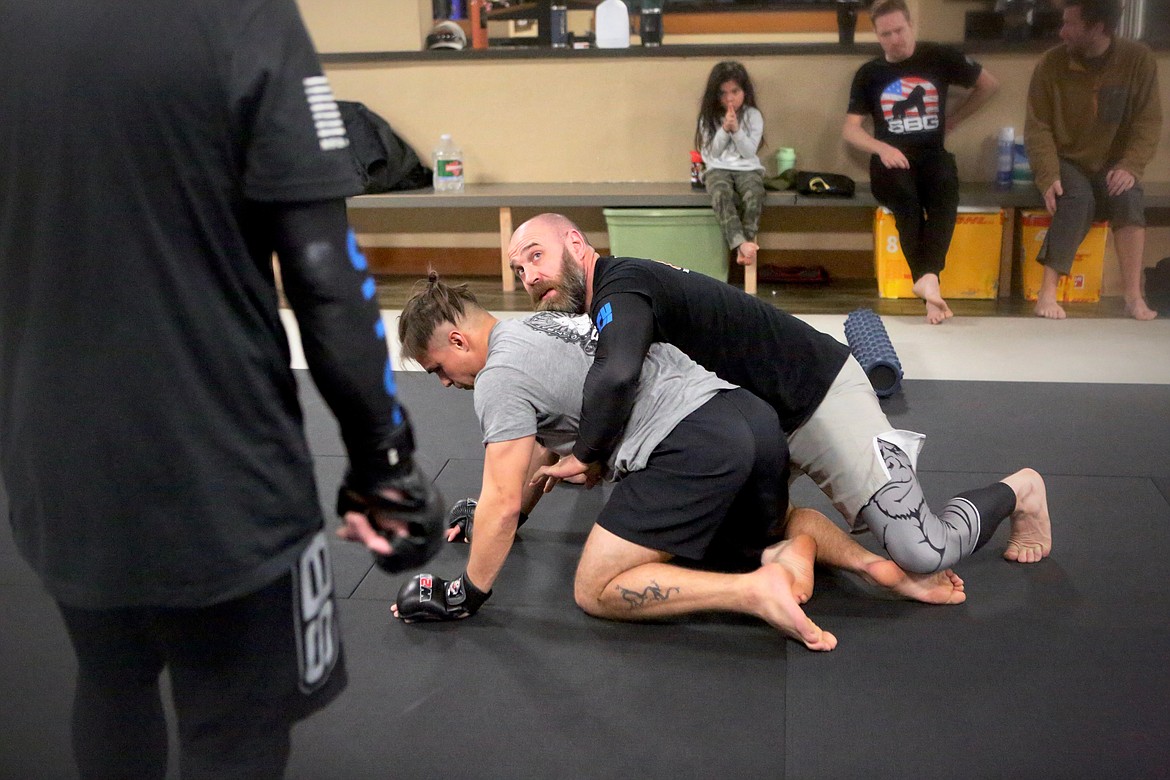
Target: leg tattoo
[(652, 592)]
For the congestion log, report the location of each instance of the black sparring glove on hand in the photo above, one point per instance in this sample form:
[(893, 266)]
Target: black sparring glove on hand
[(421, 508), (426, 597), (462, 516)]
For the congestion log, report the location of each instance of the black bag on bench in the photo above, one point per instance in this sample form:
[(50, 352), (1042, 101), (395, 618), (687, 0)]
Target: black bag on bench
[(830, 184), (383, 160), (1158, 287)]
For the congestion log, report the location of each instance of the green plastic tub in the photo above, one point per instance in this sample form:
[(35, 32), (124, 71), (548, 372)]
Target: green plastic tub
[(685, 237)]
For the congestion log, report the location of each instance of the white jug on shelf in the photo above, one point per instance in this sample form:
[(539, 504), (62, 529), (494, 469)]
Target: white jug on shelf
[(612, 25)]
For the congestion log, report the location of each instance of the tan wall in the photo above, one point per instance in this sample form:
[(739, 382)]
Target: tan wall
[(401, 25), (626, 119), (632, 119), (367, 25)]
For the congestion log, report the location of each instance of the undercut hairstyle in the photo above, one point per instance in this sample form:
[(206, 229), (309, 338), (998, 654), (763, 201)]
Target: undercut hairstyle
[(886, 7), (432, 302), (1107, 12), (710, 110)]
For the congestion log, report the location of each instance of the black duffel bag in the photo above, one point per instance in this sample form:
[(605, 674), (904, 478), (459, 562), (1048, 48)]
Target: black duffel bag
[(827, 184)]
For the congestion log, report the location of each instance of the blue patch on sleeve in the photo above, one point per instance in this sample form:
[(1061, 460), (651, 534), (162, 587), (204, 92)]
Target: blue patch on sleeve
[(380, 329), (388, 380), (356, 258), (604, 317), (369, 288)]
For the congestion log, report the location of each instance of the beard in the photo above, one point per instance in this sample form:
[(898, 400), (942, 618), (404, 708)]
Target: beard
[(570, 289)]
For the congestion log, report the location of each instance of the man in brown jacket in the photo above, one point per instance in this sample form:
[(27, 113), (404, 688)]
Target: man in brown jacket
[(1094, 116)]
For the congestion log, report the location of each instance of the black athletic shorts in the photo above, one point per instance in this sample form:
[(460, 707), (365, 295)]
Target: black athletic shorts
[(714, 491), (242, 672)]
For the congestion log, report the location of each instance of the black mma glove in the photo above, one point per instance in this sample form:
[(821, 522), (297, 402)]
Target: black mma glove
[(421, 508), (426, 597), (462, 516)]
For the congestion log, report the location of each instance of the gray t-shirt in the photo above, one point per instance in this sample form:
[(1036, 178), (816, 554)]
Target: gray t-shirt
[(534, 377)]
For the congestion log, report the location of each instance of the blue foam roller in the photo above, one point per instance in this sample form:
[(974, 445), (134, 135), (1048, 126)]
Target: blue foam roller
[(871, 346)]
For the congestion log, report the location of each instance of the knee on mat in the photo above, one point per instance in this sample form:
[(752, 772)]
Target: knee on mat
[(587, 594)]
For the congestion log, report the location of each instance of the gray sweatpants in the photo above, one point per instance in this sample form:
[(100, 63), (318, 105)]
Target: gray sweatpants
[(1085, 199)]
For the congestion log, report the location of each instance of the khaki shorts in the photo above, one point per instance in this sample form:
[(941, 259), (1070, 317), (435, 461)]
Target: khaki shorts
[(836, 447)]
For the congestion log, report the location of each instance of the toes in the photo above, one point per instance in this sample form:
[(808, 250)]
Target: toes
[(823, 641)]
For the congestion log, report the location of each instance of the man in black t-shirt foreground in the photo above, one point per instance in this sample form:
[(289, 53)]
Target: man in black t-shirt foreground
[(837, 433), (904, 92), (154, 154)]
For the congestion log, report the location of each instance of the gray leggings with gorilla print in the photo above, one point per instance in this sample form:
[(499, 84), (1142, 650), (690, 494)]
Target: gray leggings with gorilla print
[(916, 538)]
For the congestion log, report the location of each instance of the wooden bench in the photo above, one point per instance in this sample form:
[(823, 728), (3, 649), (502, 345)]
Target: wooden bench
[(555, 196)]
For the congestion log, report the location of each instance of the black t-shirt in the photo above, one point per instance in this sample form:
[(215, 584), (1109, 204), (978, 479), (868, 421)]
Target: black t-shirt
[(150, 434), (779, 358), (907, 99)]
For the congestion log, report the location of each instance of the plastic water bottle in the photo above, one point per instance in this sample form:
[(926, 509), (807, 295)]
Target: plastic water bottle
[(558, 24), (785, 159), (612, 24), (448, 164), (697, 171), (1021, 169), (650, 23), (1003, 164)]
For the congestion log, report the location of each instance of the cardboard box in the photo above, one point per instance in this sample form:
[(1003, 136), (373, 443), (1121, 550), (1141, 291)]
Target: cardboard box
[(972, 267), (1083, 284)]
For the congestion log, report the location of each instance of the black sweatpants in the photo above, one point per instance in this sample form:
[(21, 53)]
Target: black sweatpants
[(241, 672), (924, 201)]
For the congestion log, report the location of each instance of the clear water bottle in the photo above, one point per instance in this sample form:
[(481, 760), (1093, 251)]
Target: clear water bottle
[(448, 165), (1003, 158)]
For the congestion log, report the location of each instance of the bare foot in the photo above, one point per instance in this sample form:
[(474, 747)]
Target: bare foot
[(927, 289), (797, 555), (774, 602), (1139, 310), (745, 253), (942, 587), (1049, 309), (1031, 538)]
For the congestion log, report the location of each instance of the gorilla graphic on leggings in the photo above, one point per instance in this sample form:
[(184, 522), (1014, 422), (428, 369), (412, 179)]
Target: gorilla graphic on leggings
[(911, 533)]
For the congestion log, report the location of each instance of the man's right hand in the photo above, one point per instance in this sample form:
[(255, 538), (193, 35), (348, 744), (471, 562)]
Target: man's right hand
[(567, 469), (893, 158), (1054, 191)]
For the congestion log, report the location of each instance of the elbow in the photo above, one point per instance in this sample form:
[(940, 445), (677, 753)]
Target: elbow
[(624, 386)]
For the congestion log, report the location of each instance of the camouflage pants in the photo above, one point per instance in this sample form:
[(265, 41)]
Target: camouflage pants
[(737, 198)]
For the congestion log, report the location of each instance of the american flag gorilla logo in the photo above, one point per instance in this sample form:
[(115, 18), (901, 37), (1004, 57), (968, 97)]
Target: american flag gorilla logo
[(910, 105)]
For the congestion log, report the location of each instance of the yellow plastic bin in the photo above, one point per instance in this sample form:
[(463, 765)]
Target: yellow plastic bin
[(689, 238), (1083, 284), (972, 269)]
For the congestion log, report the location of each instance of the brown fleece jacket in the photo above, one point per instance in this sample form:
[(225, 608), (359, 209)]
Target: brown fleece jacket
[(1099, 119)]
